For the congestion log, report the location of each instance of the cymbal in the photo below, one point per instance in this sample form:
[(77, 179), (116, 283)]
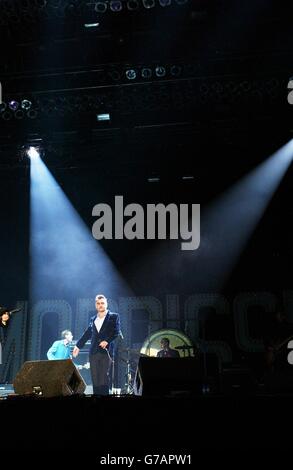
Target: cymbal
[(130, 350), (184, 346), (124, 359)]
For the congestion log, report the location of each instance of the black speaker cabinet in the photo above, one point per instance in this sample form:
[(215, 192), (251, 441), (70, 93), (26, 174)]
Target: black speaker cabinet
[(49, 379), (168, 376)]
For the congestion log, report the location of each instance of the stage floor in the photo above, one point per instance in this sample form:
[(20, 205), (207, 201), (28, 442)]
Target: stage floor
[(147, 424)]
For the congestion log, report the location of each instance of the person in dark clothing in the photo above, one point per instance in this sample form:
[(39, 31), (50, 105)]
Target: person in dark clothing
[(278, 333), (4, 317), (103, 329), (4, 321), (166, 351)]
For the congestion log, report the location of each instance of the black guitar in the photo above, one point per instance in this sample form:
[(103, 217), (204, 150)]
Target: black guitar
[(273, 353)]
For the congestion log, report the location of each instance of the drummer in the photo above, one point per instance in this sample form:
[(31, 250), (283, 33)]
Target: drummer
[(166, 351)]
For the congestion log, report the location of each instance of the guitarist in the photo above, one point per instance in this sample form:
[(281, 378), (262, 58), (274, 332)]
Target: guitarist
[(4, 317), (279, 332), (4, 321)]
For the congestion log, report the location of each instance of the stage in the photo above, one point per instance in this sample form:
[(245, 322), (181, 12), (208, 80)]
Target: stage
[(140, 425)]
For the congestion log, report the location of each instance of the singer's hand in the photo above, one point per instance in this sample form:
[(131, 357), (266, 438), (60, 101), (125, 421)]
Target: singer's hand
[(103, 344), (75, 351)]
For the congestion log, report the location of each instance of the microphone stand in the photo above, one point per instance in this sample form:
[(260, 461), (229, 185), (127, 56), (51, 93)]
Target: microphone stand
[(205, 387), (113, 360), (113, 371), (128, 375)]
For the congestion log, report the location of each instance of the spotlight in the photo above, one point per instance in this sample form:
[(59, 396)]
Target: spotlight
[(115, 5), (115, 75), (146, 72), (19, 114), (26, 104), (165, 3), (13, 105), (148, 4), (33, 153), (101, 7), (7, 115), (130, 74), (3, 106), (160, 71), (175, 70), (132, 5), (32, 114)]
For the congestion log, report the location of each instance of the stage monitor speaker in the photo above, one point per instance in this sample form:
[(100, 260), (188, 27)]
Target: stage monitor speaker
[(238, 379), (49, 379), (168, 376)]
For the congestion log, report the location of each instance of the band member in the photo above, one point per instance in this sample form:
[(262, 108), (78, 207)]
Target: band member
[(166, 351), (61, 349), (103, 329), (4, 321), (278, 333), (4, 317)]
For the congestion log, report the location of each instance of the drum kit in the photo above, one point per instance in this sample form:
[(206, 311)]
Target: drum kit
[(132, 356), (188, 351)]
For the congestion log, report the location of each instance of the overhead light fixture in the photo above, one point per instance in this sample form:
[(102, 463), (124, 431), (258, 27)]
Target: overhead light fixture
[(146, 72), (154, 179), (101, 7), (187, 178), (13, 105), (160, 71), (132, 5), (103, 117), (6, 115), (130, 74), (41, 3), (32, 114), (115, 5), (91, 25), (148, 4), (115, 75), (19, 114), (176, 70), (26, 104), (33, 152)]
